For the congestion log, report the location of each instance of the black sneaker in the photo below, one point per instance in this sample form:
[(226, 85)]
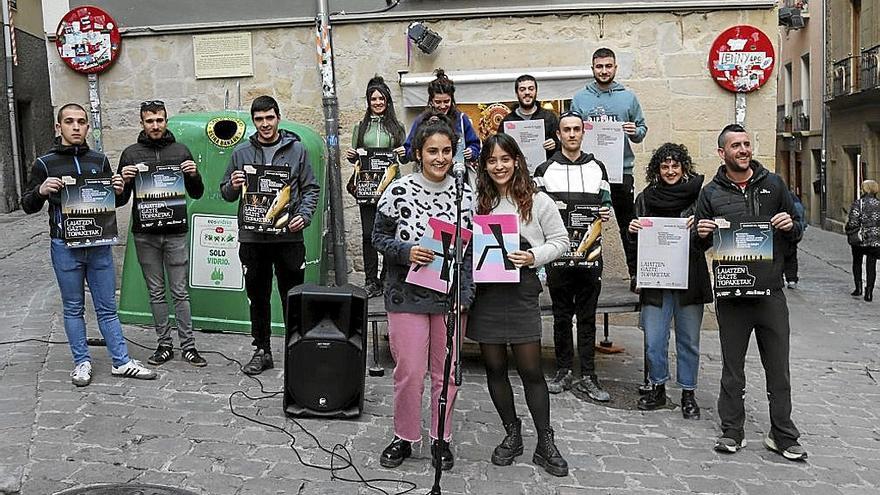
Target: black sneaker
[(560, 382), (727, 445), (395, 453), (793, 452), (440, 448), (261, 361), (163, 354), (590, 387), (374, 289), (193, 357)]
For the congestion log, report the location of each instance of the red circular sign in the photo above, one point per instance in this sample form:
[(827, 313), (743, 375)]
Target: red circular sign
[(742, 59), (88, 39)]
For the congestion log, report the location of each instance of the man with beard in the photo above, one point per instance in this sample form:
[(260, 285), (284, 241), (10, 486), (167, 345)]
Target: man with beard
[(526, 88), (743, 187), (260, 252), (607, 100), (163, 249)]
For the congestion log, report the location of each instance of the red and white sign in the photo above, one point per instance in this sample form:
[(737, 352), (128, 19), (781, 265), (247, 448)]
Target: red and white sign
[(742, 59), (88, 39)]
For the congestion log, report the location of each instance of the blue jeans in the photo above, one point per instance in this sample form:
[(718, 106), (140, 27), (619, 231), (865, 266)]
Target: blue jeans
[(73, 267), (656, 321)]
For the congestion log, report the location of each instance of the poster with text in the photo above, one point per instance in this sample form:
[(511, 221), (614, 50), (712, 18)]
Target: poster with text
[(742, 261), (266, 198), (585, 236), (440, 238), (214, 262), (605, 140), (529, 135), (663, 247), (159, 197), (88, 211), (377, 168), (495, 236)]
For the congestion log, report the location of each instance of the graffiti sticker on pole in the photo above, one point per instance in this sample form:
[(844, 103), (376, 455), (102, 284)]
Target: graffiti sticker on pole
[(88, 39), (741, 59)]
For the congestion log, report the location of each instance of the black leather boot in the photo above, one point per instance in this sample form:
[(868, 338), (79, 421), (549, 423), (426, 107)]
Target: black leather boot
[(653, 399), (440, 448), (547, 455), (511, 446), (689, 407), (395, 453), (869, 293), (858, 291)]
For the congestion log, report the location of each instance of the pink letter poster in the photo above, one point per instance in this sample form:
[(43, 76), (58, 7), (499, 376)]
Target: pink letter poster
[(440, 238), (495, 236)]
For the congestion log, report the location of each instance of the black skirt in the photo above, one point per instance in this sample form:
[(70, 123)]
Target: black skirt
[(507, 313)]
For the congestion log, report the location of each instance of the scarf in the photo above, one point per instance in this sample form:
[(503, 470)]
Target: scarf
[(664, 200)]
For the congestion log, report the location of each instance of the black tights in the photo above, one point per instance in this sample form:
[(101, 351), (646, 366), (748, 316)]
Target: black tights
[(528, 364)]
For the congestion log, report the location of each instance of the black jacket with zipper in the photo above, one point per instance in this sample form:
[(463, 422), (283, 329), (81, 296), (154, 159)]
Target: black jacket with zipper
[(303, 193), (163, 150), (63, 160), (765, 195)]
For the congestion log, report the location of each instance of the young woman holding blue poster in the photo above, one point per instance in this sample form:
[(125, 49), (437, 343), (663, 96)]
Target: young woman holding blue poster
[(508, 313), (417, 315), (379, 128), (672, 190)]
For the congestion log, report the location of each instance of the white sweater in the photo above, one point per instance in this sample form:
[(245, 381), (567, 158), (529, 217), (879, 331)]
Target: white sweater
[(546, 233)]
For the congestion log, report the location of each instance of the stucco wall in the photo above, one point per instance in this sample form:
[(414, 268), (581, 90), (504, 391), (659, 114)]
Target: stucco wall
[(667, 52)]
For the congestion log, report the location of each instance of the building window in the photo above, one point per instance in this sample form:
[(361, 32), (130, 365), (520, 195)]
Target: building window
[(787, 87), (806, 84)]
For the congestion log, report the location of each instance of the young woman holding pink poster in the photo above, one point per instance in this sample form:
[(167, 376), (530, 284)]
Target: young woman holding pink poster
[(508, 313), (417, 315)]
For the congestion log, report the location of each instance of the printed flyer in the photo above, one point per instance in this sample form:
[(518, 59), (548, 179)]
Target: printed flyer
[(742, 262), (440, 238), (159, 196), (376, 169), (585, 236), (265, 202), (495, 236), (663, 247), (88, 211)]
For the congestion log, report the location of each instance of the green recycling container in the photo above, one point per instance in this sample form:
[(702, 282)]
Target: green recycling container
[(216, 282)]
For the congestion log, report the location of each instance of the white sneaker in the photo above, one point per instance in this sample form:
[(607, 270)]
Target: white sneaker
[(82, 374), (134, 369)]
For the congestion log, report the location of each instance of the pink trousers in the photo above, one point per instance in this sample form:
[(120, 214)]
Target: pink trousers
[(418, 343)]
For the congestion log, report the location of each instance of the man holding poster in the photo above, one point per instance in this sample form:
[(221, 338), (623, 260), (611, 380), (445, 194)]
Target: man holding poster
[(71, 158), (743, 188), (605, 100), (578, 185), (161, 172), (528, 113)]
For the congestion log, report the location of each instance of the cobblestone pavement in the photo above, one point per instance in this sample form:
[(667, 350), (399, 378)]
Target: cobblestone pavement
[(179, 431)]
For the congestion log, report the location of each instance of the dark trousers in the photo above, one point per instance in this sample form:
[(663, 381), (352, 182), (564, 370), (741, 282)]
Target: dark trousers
[(622, 198), (791, 263), (768, 316), (258, 260), (371, 256), (870, 254), (574, 291)]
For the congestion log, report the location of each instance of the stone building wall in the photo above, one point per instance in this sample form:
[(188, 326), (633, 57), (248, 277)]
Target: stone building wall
[(667, 54)]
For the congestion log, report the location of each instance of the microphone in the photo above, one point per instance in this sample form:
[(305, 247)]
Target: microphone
[(458, 170)]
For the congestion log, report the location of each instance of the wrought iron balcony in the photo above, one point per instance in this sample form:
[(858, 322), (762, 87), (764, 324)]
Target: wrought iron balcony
[(844, 74), (870, 65)]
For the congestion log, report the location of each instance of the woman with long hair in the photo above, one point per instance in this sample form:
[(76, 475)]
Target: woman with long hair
[(505, 314), (672, 190), (379, 128), (441, 99), (417, 315), (863, 233)]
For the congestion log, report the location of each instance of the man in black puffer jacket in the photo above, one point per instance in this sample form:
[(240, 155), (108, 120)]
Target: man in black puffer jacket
[(742, 187), (163, 248)]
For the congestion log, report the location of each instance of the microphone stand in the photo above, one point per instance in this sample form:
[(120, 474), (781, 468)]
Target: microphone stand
[(453, 332)]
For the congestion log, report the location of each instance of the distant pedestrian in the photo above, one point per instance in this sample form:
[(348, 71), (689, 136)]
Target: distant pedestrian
[(863, 234), (672, 191), (74, 267), (743, 187), (790, 268), (508, 314), (163, 250)]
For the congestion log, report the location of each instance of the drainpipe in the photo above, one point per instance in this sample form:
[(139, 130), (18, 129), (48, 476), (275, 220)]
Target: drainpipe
[(10, 97), (823, 167)]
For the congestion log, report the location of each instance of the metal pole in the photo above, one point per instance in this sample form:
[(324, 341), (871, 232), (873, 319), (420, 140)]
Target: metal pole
[(95, 107), (10, 98), (324, 40), (823, 165)]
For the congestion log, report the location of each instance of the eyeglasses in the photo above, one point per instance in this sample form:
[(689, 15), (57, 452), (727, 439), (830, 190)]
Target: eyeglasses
[(152, 103)]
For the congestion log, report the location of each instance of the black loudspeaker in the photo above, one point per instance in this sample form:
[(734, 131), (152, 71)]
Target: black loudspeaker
[(325, 351)]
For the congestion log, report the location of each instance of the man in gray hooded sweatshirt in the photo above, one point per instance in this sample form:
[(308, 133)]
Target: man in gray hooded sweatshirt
[(607, 100)]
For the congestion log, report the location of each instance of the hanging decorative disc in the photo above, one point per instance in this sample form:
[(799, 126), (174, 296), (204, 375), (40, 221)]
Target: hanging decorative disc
[(88, 40)]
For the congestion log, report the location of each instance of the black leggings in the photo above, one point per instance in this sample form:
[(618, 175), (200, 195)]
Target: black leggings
[(870, 254), (528, 364)]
